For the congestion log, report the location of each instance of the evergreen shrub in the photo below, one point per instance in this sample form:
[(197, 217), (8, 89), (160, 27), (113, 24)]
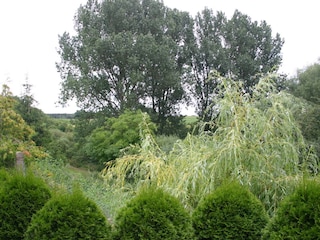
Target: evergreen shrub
[(20, 197), (153, 214), (230, 212), (298, 216), (69, 216)]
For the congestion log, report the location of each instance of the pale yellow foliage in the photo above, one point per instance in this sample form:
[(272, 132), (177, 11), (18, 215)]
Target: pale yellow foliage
[(255, 141)]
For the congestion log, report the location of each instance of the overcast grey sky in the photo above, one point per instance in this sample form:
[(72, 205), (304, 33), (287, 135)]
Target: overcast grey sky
[(30, 28)]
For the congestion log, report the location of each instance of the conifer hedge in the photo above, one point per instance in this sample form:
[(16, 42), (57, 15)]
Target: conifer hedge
[(20, 197), (153, 214), (69, 216), (298, 216), (230, 212)]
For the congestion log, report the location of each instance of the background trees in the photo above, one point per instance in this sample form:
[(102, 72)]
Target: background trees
[(125, 55), (238, 47), (306, 86), (143, 55), (33, 116)]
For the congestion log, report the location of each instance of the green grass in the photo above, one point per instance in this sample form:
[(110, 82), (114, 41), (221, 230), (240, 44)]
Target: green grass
[(62, 177), (190, 119)]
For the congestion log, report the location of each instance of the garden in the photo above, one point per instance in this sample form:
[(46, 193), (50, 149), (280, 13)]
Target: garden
[(249, 174), (130, 165)]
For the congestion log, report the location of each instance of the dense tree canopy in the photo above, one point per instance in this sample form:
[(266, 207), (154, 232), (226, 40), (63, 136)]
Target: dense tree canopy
[(239, 48), (306, 86), (140, 54), (125, 55), (33, 116)]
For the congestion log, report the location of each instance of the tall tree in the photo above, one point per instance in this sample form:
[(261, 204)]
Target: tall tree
[(207, 55), (237, 48), (251, 48), (306, 86), (33, 116), (126, 54)]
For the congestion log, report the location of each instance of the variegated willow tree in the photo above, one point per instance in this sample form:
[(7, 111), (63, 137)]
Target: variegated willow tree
[(254, 140)]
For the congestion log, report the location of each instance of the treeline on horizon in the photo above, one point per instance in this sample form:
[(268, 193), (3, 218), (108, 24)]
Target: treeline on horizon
[(141, 54), (61, 115)]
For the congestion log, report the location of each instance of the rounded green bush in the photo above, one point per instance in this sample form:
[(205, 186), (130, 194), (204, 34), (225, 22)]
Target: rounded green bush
[(20, 197), (230, 212), (298, 216), (153, 214), (69, 216)]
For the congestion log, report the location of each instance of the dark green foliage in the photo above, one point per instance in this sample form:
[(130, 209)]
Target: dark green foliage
[(153, 214), (298, 216), (69, 217), (308, 118), (127, 54), (172, 125), (20, 197), (84, 124), (306, 85), (230, 212), (237, 47), (33, 116)]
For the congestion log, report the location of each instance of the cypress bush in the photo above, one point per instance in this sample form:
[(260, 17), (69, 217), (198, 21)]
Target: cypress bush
[(20, 197), (298, 216), (230, 212), (153, 214), (69, 216)]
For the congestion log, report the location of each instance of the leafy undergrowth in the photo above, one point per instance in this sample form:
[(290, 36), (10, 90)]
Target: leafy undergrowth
[(61, 177)]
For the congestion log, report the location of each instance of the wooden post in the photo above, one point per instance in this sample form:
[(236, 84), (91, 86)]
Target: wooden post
[(20, 165)]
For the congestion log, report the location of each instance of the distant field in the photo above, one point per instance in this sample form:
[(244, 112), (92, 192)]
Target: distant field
[(61, 115), (65, 116), (190, 119)]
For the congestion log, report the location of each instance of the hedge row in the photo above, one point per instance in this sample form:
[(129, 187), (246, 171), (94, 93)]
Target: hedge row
[(298, 216), (28, 211), (69, 216), (153, 214), (20, 197), (230, 212)]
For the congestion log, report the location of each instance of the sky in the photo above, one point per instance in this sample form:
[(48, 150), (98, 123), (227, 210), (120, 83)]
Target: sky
[(30, 29)]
